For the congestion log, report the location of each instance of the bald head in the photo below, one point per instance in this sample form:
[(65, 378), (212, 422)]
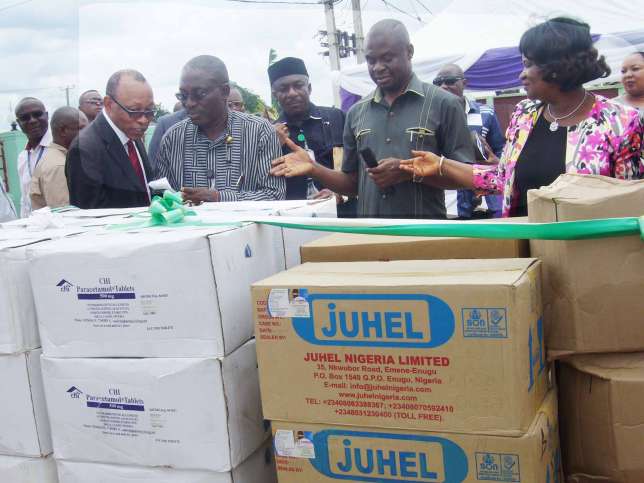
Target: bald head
[(388, 53), (65, 124), (90, 103), (235, 100), (452, 79), (28, 101), (210, 65)]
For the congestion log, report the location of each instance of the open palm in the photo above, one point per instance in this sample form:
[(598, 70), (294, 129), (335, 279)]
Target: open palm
[(422, 164), (296, 163)]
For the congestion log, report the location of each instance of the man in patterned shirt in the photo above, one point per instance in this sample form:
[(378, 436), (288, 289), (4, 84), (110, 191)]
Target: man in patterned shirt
[(217, 154)]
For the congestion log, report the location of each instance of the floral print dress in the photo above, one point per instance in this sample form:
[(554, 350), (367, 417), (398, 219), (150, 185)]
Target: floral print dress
[(608, 142)]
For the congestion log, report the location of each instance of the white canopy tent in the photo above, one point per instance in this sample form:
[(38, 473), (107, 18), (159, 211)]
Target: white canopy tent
[(466, 29)]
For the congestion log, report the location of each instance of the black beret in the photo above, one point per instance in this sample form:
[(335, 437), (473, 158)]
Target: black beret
[(286, 66)]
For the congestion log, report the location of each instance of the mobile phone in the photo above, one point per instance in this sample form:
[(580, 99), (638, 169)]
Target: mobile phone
[(369, 158)]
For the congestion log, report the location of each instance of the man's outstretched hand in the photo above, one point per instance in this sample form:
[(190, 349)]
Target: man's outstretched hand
[(296, 163)]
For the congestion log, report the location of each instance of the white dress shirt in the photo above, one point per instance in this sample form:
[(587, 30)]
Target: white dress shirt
[(27, 161), (124, 140)]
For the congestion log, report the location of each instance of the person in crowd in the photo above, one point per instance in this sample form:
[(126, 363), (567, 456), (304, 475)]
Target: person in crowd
[(48, 183), (7, 210), (633, 82), (90, 103), (315, 128), (482, 121), (33, 120), (402, 114), (560, 128), (107, 166), (218, 154), (236, 101)]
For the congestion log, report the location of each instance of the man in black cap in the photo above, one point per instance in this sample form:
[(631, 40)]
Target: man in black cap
[(314, 128)]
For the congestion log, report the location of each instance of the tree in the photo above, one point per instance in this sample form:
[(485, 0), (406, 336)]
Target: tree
[(254, 103), (159, 111)]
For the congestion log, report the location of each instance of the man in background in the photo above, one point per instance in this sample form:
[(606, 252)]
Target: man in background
[(315, 128), (236, 101), (482, 121), (90, 103), (48, 183), (33, 120)]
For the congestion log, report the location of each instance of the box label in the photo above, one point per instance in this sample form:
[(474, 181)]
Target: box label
[(485, 323), (396, 320), (497, 467), (385, 457)]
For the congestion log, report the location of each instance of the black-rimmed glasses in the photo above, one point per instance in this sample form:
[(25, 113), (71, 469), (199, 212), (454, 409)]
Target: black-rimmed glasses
[(148, 113), (449, 80), (198, 94), (29, 115)]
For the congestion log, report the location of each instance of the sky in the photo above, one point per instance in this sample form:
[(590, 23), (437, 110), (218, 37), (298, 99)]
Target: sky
[(47, 46)]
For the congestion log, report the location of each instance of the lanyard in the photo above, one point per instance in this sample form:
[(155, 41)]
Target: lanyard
[(40, 152)]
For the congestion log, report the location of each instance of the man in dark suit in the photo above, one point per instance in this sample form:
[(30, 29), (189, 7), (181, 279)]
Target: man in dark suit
[(107, 166)]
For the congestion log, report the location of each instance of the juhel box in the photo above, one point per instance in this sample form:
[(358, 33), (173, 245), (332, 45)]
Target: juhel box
[(433, 345)]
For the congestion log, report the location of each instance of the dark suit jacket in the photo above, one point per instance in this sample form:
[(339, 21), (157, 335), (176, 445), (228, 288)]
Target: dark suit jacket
[(99, 172)]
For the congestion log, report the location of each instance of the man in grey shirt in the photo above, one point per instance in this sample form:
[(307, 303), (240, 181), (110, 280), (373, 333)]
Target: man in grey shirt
[(401, 115)]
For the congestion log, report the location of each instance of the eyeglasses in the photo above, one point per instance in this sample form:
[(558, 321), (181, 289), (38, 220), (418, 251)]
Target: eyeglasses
[(237, 104), (149, 114), (447, 80), (30, 115), (198, 94)]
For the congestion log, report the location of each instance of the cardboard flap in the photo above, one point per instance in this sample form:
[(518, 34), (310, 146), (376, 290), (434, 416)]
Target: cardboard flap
[(619, 367), (406, 272)]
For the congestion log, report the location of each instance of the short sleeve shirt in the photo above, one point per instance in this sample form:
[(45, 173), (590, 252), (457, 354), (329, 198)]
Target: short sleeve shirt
[(423, 118)]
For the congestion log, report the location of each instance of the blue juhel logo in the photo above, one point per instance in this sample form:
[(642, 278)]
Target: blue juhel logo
[(74, 392), (385, 457), (64, 285), (383, 320)]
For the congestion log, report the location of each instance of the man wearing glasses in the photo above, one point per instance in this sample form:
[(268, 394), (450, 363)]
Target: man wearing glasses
[(90, 103), (33, 120), (218, 154), (482, 121), (107, 166)]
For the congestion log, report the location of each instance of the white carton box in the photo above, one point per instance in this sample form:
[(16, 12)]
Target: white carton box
[(18, 326), (259, 468), (202, 414), (177, 292), (17, 469), (24, 426)]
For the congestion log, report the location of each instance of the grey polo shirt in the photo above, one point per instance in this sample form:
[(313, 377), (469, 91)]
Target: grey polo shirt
[(424, 118)]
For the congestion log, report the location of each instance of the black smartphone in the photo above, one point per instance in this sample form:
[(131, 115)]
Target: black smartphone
[(369, 158)]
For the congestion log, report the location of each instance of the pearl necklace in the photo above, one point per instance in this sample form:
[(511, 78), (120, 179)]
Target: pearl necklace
[(554, 125)]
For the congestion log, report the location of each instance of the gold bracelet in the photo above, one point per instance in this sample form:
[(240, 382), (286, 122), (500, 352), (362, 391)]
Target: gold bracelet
[(440, 166)]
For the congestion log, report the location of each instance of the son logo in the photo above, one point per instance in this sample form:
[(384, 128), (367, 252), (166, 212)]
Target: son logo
[(385, 457), (376, 320)]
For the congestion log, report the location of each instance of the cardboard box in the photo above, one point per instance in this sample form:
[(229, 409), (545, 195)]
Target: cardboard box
[(18, 325), (346, 247), (592, 288), (323, 453), (16, 469), (439, 345), (259, 468), (602, 417), (156, 293), (24, 426), (202, 414)]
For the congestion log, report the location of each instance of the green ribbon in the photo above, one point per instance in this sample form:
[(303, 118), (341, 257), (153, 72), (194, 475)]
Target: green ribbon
[(563, 230), (170, 211)]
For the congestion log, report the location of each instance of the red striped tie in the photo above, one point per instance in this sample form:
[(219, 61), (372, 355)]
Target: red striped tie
[(134, 160)]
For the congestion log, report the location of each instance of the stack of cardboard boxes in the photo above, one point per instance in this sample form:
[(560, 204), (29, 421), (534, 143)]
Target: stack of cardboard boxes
[(25, 440), (148, 357), (407, 371), (594, 304)]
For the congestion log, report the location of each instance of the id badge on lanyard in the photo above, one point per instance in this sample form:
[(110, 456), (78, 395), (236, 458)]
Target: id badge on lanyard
[(40, 153)]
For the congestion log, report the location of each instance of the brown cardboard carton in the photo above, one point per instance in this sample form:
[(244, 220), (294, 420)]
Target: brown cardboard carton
[(593, 289), (602, 417), (310, 453), (439, 345), (346, 247)]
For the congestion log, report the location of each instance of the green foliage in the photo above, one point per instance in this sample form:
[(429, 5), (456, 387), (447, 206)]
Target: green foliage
[(159, 111)]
